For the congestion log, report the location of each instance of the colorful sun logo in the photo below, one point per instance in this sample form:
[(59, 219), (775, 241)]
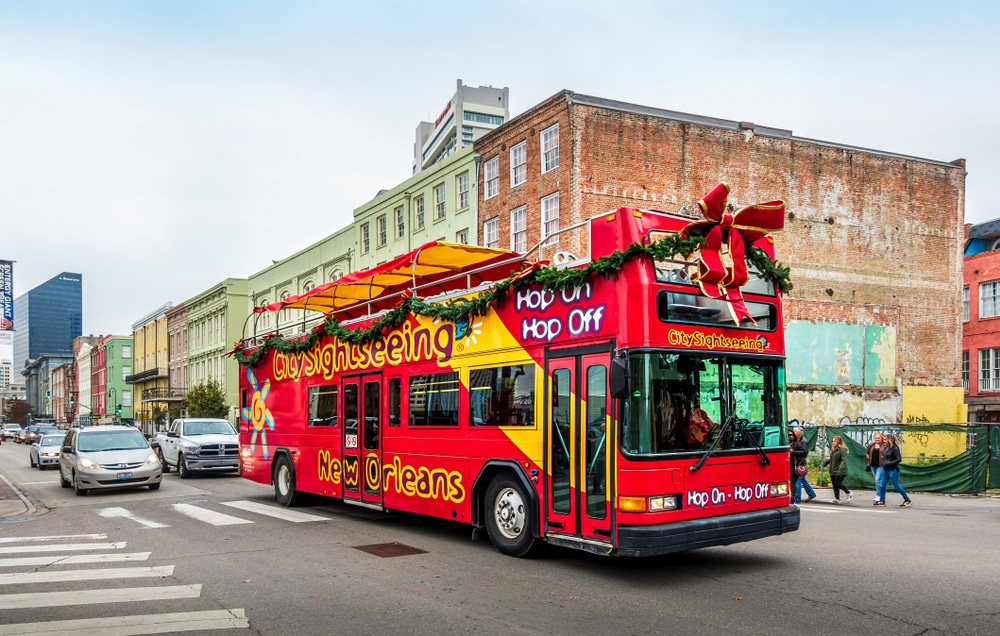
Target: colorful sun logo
[(257, 413)]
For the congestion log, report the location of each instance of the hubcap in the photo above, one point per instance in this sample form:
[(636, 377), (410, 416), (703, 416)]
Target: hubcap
[(509, 513), (284, 480)]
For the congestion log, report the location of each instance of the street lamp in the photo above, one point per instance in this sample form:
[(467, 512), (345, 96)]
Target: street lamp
[(113, 399)]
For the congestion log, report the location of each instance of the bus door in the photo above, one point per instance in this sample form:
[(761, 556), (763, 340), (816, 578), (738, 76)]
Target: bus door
[(362, 467), (580, 445)]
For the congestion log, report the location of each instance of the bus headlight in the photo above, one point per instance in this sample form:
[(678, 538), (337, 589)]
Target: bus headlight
[(779, 489), (662, 502)]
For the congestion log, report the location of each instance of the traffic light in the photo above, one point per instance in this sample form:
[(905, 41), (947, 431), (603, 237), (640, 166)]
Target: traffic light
[(118, 410), (48, 395), (72, 401)]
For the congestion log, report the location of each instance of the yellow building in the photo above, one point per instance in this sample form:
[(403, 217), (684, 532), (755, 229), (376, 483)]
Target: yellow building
[(150, 377)]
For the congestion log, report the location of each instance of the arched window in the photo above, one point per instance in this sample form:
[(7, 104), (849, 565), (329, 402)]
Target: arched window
[(284, 315), (336, 275), (265, 317)]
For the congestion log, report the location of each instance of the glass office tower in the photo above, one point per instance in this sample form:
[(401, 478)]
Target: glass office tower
[(48, 318)]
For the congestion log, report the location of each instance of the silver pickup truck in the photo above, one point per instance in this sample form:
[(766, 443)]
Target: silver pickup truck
[(198, 445)]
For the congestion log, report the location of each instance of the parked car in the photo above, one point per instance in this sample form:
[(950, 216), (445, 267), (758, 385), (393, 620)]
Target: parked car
[(11, 430), (107, 457), (45, 450)]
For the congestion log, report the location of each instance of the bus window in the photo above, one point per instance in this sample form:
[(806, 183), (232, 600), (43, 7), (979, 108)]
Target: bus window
[(502, 396), (323, 405), (395, 398), (434, 399)]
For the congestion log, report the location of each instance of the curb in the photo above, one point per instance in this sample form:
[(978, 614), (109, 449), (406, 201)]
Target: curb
[(12, 501)]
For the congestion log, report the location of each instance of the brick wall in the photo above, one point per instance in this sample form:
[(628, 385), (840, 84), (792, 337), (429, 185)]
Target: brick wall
[(866, 234)]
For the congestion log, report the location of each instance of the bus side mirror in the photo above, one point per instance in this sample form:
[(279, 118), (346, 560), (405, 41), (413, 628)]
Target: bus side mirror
[(619, 378)]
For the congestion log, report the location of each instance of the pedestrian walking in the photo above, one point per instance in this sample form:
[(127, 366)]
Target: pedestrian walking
[(800, 452), (837, 461), (874, 457), (891, 458)]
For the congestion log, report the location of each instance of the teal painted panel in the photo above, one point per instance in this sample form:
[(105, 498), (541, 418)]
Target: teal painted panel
[(824, 353), (880, 356)]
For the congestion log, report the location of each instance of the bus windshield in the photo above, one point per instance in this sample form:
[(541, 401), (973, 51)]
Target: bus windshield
[(678, 403)]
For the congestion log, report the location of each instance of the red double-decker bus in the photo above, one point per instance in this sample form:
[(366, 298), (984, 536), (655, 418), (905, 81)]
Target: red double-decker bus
[(609, 404)]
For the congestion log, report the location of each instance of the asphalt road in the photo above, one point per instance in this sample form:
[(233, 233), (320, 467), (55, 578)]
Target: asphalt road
[(851, 569)]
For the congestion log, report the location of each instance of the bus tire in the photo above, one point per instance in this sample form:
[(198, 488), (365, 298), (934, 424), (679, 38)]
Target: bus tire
[(509, 516), (284, 483)]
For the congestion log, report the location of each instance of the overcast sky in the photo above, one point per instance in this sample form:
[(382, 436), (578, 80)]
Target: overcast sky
[(160, 146)]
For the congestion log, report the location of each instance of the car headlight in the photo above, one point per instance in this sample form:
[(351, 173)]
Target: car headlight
[(84, 462), (152, 459), (189, 450)]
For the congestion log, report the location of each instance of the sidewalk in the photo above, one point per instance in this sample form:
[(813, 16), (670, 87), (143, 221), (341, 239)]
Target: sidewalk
[(13, 503), (924, 499)]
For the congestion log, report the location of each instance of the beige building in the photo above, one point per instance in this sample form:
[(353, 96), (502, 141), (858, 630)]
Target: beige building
[(215, 321)]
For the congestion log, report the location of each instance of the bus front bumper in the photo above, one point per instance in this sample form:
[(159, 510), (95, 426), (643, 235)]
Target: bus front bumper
[(667, 538)]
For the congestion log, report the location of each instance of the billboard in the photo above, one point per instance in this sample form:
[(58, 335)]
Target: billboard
[(6, 295)]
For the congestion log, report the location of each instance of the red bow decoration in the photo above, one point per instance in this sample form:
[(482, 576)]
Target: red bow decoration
[(736, 230)]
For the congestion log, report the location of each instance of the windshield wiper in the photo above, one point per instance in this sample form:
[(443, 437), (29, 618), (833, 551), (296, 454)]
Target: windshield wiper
[(732, 422)]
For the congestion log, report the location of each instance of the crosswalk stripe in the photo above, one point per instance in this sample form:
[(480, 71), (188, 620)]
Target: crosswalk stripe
[(138, 624), (55, 537), (208, 516), (63, 547), (33, 600), (109, 513), (74, 559), (295, 516), (59, 576)]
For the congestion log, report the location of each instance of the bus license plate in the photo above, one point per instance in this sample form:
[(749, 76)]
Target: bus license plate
[(123, 476)]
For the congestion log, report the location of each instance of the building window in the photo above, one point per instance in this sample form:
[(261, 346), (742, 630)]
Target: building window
[(463, 190), (308, 286), (965, 304), (492, 174), (989, 369), (126, 399), (400, 222), (418, 204), (383, 237), (365, 239), (550, 217), (126, 352), (126, 371), (491, 233), (336, 275), (519, 164), (439, 202), (519, 229), (550, 148), (989, 299), (482, 118), (965, 371), (462, 237)]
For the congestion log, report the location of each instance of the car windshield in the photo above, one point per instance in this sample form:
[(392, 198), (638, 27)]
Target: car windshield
[(112, 440), (51, 440), (209, 428)]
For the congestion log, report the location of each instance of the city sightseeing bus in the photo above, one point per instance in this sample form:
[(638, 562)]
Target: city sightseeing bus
[(612, 404)]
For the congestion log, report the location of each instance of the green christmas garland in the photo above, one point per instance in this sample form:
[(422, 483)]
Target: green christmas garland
[(467, 309)]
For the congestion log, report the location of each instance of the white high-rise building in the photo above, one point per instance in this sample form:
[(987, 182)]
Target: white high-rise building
[(471, 113)]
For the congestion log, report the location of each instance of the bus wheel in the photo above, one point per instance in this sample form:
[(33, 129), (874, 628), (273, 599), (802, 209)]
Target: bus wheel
[(284, 484), (509, 516)]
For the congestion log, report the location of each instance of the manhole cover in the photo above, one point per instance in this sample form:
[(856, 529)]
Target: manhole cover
[(386, 550)]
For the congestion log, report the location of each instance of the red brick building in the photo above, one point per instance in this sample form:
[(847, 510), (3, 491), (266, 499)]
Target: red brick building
[(874, 239), (981, 322)]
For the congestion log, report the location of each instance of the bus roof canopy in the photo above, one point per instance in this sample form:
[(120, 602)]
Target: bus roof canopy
[(431, 269)]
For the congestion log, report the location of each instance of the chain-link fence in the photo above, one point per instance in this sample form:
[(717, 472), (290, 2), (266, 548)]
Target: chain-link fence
[(946, 458)]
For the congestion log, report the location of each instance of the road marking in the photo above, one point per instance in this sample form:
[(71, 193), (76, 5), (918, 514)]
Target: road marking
[(271, 511), (109, 513), (34, 600), (138, 624), (63, 547), (58, 576), (75, 559), (54, 537), (830, 509), (209, 516)]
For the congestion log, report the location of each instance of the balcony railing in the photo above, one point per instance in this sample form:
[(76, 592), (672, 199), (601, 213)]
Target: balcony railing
[(164, 395), (148, 374)]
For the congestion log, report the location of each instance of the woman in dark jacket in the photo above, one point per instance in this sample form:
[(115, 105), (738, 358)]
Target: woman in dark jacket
[(837, 461), (800, 452), (891, 458)]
